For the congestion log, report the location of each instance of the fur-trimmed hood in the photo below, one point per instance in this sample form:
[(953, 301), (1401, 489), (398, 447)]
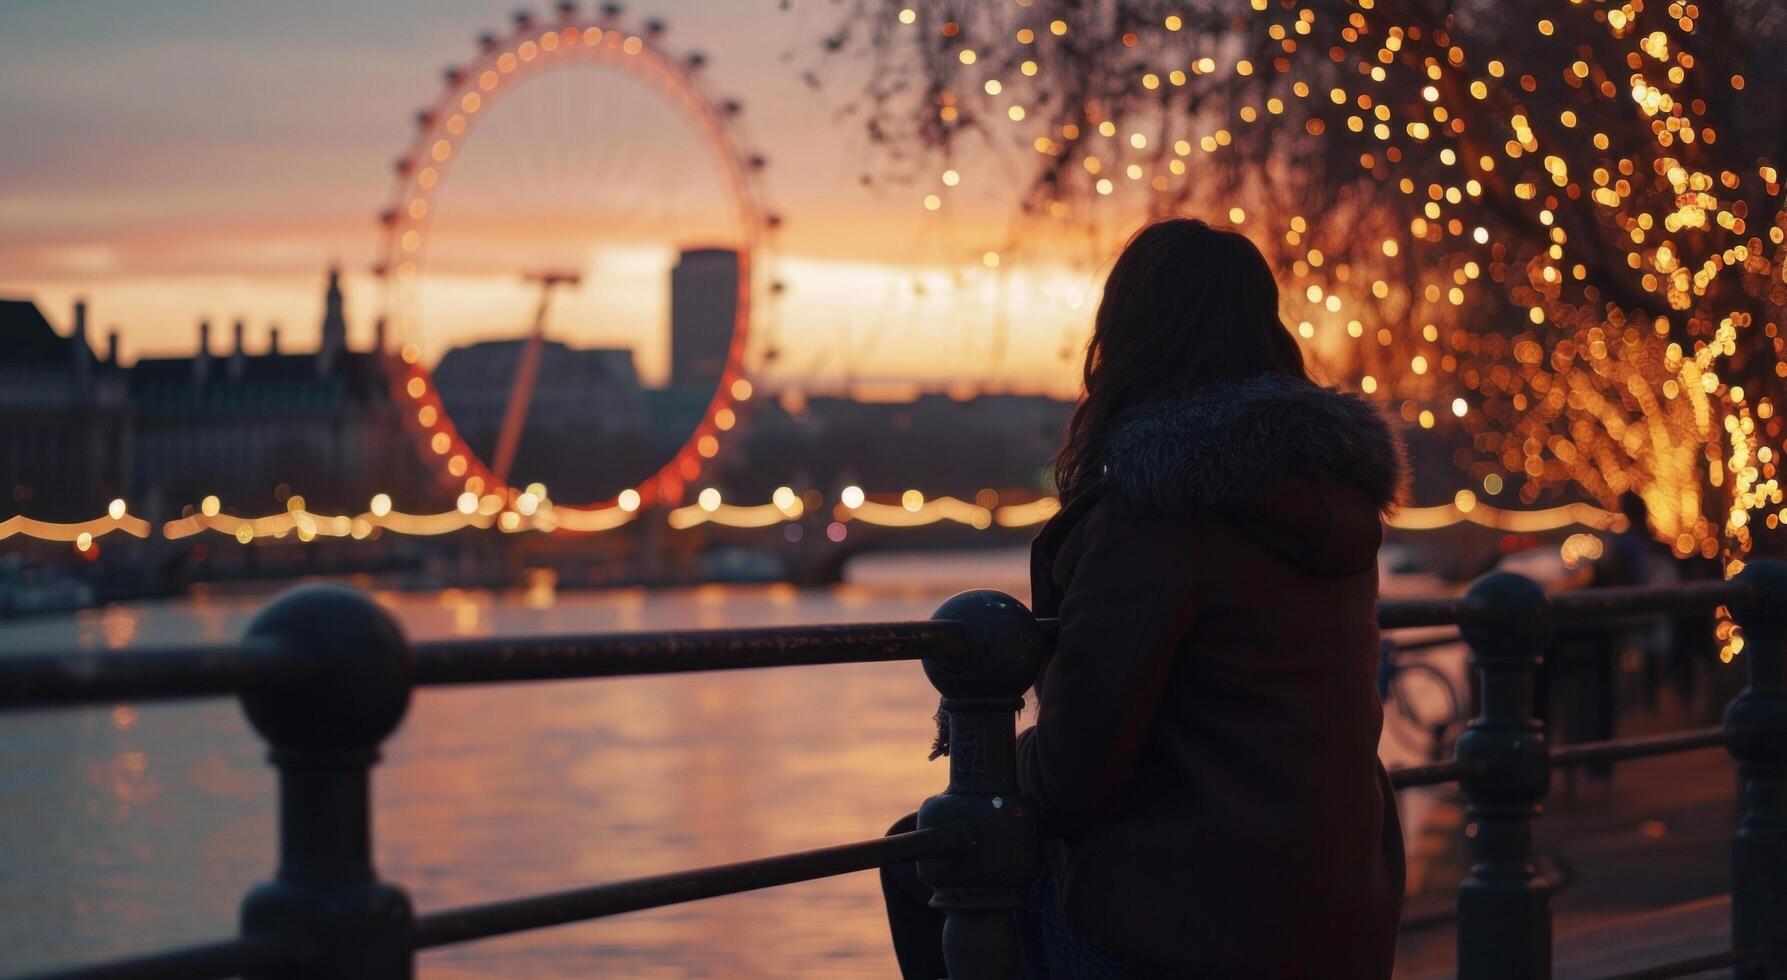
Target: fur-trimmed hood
[(1217, 447)]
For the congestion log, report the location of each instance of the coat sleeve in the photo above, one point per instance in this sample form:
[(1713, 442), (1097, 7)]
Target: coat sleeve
[(1126, 604)]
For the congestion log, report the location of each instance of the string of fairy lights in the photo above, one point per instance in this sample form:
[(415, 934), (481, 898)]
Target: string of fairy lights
[(533, 510)]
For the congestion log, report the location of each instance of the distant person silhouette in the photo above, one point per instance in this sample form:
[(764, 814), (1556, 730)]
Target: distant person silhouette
[(1680, 647), (1205, 751), (1580, 677), (1634, 556)]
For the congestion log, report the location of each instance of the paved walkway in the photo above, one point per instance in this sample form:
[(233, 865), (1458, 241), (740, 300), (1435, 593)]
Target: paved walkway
[(1643, 861)]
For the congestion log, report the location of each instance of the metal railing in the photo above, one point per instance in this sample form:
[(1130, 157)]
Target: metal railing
[(324, 676)]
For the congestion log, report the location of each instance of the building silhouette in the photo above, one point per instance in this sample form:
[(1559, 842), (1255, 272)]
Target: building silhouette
[(252, 428), (164, 433), (591, 429), (167, 431), (704, 287), (585, 423), (64, 416)]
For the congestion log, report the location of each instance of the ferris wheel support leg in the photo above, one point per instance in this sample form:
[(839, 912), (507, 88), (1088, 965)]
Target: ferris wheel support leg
[(521, 394)]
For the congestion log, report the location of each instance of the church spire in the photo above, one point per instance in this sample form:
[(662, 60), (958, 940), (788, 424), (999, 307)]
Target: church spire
[(334, 342)]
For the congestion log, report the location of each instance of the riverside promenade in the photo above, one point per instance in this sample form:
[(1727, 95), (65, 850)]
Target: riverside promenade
[(1642, 865)]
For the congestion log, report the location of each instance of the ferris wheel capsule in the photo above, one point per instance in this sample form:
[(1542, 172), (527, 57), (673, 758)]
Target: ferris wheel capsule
[(453, 74), (566, 9), (523, 19), (695, 60), (612, 10), (655, 27), (487, 41)]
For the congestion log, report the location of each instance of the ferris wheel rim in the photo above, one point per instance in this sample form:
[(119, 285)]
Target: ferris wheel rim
[(528, 50)]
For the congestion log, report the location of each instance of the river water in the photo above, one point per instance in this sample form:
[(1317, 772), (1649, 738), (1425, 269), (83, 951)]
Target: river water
[(126, 828)]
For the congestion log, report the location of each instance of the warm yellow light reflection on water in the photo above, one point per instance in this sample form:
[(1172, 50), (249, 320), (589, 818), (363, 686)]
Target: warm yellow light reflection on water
[(153, 820)]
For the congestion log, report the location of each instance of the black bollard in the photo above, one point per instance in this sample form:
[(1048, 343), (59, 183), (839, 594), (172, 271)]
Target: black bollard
[(1756, 725), (980, 889), (1504, 908), (325, 729)]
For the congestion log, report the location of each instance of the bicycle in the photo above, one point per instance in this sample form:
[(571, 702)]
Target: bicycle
[(1422, 695)]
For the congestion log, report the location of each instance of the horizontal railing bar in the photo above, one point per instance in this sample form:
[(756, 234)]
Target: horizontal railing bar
[(88, 677), (485, 660), (559, 908), (1582, 605), (150, 673), (1395, 614), (1638, 747), (1425, 643), (1580, 754), (226, 958), (1698, 964), (51, 679), (1434, 774)]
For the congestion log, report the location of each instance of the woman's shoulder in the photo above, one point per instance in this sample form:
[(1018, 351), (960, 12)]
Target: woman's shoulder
[(1103, 542), (1105, 526), (1212, 449)]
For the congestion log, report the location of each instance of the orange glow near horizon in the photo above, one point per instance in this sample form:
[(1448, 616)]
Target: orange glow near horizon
[(875, 286), (866, 319)]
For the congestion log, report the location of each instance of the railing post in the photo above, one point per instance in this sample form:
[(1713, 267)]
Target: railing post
[(981, 889), (1504, 908), (1756, 724), (325, 899)]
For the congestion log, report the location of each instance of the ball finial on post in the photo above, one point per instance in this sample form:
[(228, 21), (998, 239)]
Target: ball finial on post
[(352, 687), (347, 689), (1007, 647)]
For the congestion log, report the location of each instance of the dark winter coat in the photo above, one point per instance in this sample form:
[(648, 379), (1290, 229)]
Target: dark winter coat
[(1207, 728)]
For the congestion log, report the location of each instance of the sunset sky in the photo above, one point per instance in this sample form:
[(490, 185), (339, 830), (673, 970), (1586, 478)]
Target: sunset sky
[(179, 160)]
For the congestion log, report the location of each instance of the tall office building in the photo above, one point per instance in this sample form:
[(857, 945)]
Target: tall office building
[(703, 305)]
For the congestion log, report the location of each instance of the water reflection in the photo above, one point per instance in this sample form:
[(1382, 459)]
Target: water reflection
[(128, 827)]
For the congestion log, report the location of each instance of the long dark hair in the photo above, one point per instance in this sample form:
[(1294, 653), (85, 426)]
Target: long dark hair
[(1185, 306)]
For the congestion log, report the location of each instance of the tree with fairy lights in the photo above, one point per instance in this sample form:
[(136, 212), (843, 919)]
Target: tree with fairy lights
[(1557, 225)]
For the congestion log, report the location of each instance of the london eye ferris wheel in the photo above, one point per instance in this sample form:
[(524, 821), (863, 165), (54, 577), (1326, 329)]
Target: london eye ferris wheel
[(549, 191)]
